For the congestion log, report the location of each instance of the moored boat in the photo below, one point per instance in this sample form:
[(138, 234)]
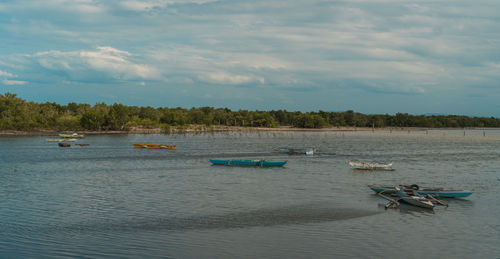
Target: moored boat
[(61, 144), (247, 162), (414, 199), (74, 135), (365, 165), (61, 140), (155, 146), (296, 151), (435, 192)]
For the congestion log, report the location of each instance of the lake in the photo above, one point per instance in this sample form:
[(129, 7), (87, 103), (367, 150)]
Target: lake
[(111, 200)]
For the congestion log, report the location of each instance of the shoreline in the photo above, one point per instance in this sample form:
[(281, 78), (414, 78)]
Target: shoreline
[(211, 129)]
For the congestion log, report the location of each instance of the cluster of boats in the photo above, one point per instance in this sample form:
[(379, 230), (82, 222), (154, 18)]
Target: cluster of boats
[(413, 195), (65, 138)]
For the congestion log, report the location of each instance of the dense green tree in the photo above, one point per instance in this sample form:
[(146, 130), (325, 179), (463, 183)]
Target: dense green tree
[(18, 114)]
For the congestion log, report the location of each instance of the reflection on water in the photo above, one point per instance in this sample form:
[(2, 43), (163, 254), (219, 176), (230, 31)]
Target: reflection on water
[(258, 218), (111, 200)]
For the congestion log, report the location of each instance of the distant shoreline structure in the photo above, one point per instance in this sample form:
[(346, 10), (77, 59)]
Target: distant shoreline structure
[(213, 129)]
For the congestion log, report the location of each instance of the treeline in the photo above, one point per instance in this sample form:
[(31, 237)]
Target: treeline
[(19, 114)]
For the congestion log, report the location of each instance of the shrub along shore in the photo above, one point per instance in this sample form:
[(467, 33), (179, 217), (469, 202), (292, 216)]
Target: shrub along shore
[(21, 117)]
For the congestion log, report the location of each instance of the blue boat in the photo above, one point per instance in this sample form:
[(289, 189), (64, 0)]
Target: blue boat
[(435, 192), (240, 162)]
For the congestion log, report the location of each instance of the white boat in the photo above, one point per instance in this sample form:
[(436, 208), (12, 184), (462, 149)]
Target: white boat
[(365, 165), (414, 199)]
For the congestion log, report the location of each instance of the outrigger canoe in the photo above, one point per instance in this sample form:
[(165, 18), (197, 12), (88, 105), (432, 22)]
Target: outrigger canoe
[(74, 135), (365, 165), (435, 192), (414, 199), (410, 197), (240, 162), (155, 146), (62, 140), (296, 151)]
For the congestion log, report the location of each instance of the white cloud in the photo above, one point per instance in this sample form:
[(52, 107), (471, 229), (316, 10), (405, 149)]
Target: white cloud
[(6, 74), (13, 82), (145, 5), (226, 78), (117, 64)]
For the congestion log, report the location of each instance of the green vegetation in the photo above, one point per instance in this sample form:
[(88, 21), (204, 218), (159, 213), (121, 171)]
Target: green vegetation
[(18, 114)]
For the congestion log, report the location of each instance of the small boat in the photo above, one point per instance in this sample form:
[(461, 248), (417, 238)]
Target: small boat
[(74, 135), (411, 198), (365, 165), (61, 144), (240, 162), (155, 146), (435, 192), (62, 140), (414, 199), (296, 151)]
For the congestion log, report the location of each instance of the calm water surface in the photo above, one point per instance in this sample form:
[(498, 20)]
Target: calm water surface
[(110, 200)]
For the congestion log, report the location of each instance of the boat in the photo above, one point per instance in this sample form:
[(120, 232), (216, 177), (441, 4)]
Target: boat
[(61, 144), (155, 146), (82, 145), (61, 140), (435, 192), (244, 162), (410, 197), (74, 135), (365, 165), (414, 199), (296, 151)]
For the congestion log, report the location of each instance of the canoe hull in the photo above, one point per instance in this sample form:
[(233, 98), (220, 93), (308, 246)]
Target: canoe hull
[(415, 201), (155, 146), (261, 163)]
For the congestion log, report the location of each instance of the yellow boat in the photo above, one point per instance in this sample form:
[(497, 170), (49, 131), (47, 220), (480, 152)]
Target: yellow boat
[(155, 146)]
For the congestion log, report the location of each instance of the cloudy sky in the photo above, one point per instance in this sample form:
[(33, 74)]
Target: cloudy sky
[(371, 56)]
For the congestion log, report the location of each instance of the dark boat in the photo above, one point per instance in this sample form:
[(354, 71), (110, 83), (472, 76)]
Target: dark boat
[(296, 151), (64, 144), (435, 192)]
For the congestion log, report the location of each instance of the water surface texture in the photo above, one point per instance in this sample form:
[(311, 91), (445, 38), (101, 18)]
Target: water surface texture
[(111, 200)]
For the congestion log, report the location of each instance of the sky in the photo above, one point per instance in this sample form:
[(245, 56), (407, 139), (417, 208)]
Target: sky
[(370, 56)]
